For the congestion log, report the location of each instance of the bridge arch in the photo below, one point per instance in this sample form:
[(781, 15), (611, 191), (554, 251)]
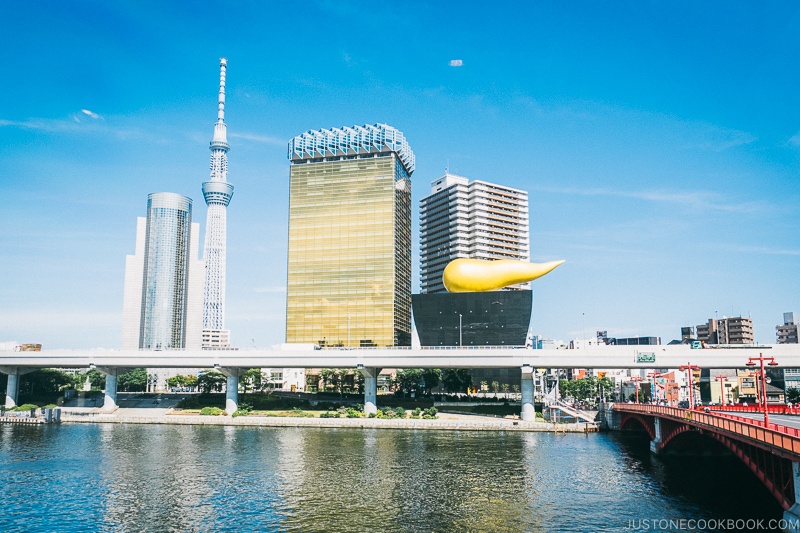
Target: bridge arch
[(645, 422)]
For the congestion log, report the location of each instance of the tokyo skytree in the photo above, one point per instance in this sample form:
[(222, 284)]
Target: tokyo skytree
[(217, 193)]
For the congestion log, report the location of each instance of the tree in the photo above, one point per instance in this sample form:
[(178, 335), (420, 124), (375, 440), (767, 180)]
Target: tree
[(44, 381), (431, 378), (251, 378), (410, 380), (495, 387), (456, 380), (358, 382), (793, 395), (97, 380), (327, 376), (211, 381), (132, 381)]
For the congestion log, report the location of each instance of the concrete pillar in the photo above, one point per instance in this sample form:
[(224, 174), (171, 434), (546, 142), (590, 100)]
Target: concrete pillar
[(526, 385), (370, 389), (656, 442), (792, 516), (12, 389), (110, 398), (232, 394)]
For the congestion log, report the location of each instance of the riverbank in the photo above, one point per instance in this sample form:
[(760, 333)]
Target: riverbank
[(445, 422)]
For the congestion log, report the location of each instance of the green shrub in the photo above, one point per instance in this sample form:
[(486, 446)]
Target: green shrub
[(25, 407), (416, 413), (399, 412), (330, 414), (353, 413), (211, 411), (430, 413), (243, 410), (373, 415)]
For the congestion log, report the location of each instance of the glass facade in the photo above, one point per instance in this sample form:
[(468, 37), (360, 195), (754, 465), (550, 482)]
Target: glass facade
[(496, 318), (349, 265), (166, 267)]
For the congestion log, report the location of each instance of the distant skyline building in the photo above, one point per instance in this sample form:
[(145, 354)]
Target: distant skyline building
[(477, 219), (217, 193), (788, 332), (349, 261), (162, 302), (726, 330)]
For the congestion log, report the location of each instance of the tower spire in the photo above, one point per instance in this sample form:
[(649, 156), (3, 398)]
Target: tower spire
[(217, 193), (220, 140)]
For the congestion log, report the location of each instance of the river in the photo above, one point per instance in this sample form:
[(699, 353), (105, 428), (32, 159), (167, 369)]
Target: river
[(119, 477)]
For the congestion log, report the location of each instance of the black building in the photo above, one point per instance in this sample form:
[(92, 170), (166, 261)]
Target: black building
[(498, 318)]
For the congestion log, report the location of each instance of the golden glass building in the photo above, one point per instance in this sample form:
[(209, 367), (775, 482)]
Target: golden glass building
[(349, 269)]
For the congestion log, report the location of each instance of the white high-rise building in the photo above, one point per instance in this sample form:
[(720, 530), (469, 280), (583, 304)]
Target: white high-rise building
[(163, 294), (477, 219), (217, 193)]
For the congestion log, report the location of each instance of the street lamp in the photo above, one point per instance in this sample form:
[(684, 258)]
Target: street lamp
[(636, 380), (460, 341), (752, 362), (655, 375), (721, 380), (690, 367)]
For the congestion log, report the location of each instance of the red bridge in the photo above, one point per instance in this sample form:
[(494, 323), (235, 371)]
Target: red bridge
[(772, 453)]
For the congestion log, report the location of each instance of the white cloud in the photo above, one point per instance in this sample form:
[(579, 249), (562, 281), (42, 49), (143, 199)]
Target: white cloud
[(694, 199), (794, 140), (456, 62), (260, 138), (90, 114)]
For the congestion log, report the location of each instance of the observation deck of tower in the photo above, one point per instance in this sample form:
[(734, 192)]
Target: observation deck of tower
[(217, 193)]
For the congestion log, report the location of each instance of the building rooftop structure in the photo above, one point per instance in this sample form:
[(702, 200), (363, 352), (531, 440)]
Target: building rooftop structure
[(351, 142)]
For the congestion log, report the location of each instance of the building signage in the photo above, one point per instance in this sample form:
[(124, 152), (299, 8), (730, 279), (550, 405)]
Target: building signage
[(645, 357)]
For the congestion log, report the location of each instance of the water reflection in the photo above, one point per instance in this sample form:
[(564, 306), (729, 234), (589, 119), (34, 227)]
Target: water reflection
[(120, 477)]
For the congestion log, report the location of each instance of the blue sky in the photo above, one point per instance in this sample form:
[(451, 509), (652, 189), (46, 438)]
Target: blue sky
[(659, 143)]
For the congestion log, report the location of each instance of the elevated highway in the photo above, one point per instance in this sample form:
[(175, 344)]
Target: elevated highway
[(644, 357), (370, 360)]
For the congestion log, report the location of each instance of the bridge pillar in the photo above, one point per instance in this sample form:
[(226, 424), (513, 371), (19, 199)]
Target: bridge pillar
[(792, 515), (370, 389), (232, 394), (110, 396), (231, 388), (656, 442), (526, 386), (12, 389)]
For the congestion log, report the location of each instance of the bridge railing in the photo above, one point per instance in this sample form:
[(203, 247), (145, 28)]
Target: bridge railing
[(776, 435), (778, 409)]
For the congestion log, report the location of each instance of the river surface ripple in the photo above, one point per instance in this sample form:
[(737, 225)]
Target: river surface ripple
[(141, 478)]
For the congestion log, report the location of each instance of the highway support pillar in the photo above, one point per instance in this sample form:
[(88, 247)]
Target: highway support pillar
[(528, 413), (656, 442), (110, 396), (12, 388), (370, 388), (231, 388), (792, 515)]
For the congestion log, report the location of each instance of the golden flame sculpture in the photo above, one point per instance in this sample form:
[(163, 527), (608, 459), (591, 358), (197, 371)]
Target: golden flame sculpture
[(477, 275)]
